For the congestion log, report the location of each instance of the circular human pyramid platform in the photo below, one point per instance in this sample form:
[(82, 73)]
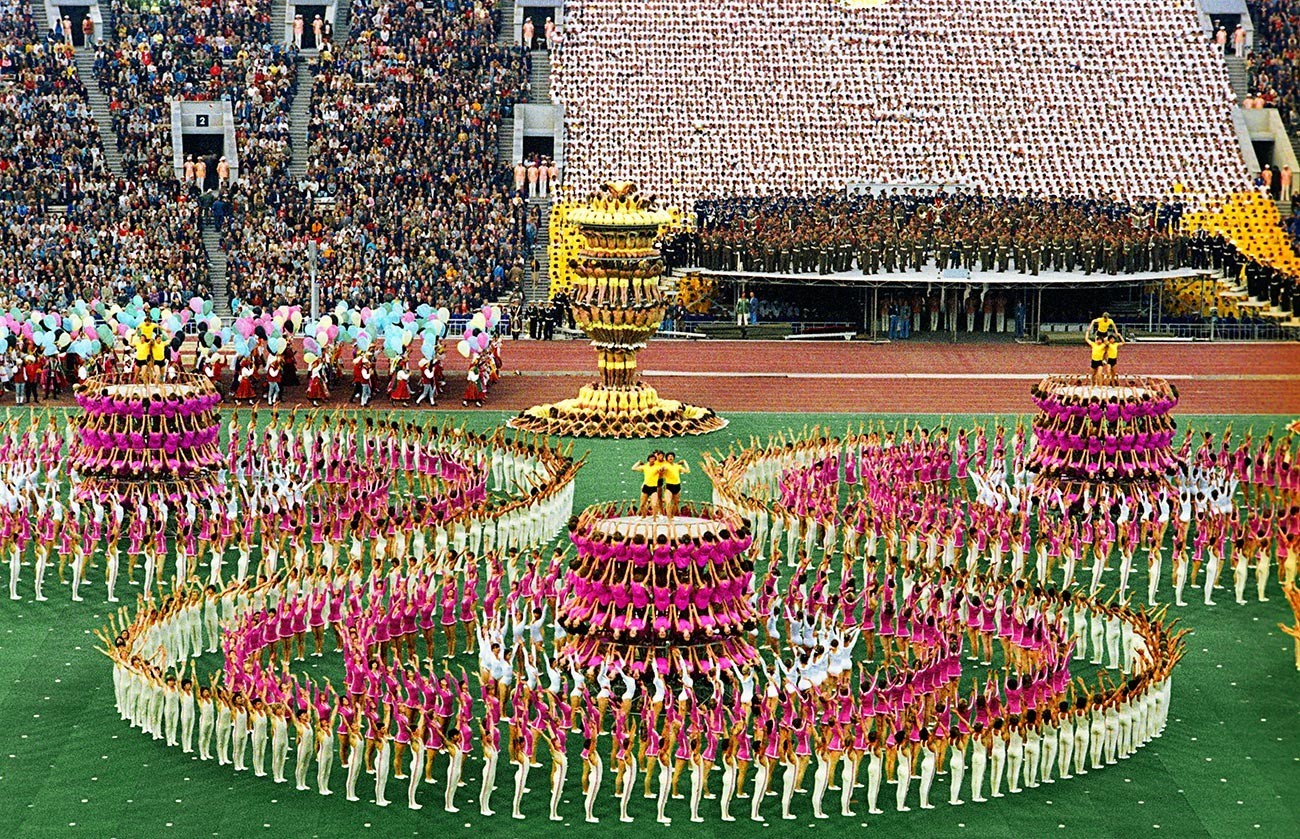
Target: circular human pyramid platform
[(159, 438), (1090, 435), (647, 593)]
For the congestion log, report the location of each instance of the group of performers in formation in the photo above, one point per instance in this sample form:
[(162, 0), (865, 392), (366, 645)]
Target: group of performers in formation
[(907, 629), (306, 486), (263, 374)]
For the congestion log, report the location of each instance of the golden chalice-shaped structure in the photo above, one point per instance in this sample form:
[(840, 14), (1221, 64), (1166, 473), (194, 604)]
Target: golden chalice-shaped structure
[(617, 301)]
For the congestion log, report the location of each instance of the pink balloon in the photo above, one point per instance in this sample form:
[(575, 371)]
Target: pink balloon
[(196, 305), (409, 317), (185, 316), (332, 331), (483, 340)]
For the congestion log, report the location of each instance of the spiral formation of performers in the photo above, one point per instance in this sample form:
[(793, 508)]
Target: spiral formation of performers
[(845, 607), (618, 303)]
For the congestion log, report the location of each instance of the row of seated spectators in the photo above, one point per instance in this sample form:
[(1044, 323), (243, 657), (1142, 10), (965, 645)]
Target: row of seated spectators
[(909, 229), (68, 228), (1271, 63), (184, 49), (760, 97), (403, 194)]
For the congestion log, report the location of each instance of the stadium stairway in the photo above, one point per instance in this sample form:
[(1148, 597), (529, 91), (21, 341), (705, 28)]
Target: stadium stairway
[(506, 38), (1237, 76), (40, 17), (539, 286), (539, 78), (216, 271), (342, 21), (279, 9), (506, 141), (506, 32), (85, 60), (299, 120)]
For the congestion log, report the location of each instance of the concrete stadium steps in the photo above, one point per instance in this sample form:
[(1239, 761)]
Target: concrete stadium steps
[(98, 102), (1238, 77), (539, 283), (506, 34), (299, 121), (539, 77), (279, 9), (216, 271), (40, 17), (342, 21), (506, 142)]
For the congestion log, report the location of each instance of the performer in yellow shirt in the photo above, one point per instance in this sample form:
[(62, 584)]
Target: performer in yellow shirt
[(672, 471), (1098, 346), (651, 470), (1112, 356), (1102, 326)]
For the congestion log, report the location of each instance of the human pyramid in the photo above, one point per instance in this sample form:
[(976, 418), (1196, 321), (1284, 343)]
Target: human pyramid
[(676, 648)]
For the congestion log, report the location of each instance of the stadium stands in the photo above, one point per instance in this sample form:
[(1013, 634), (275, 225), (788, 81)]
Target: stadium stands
[(70, 229), (403, 193), (792, 97), (1272, 59)]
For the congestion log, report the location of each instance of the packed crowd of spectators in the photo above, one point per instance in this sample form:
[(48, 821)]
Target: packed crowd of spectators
[(791, 97), (198, 51), (1271, 62), (907, 230), (68, 228), (403, 195)]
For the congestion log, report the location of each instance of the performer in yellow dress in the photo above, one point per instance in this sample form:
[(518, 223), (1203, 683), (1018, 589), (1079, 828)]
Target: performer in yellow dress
[(1112, 356)]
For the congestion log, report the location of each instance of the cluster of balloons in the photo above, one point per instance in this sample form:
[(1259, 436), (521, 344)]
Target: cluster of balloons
[(390, 327), (478, 331), (88, 329), (275, 326)]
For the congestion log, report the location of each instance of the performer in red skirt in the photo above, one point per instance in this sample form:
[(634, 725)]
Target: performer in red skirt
[(316, 387), (399, 389), (244, 381), (473, 390)]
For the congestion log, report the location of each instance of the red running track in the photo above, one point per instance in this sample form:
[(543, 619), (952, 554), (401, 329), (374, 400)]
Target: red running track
[(856, 377)]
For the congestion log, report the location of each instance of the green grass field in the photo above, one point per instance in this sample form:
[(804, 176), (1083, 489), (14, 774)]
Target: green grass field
[(1228, 764)]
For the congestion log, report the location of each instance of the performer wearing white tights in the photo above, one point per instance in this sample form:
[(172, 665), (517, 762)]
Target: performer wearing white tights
[(875, 772), (303, 749), (979, 759), (383, 763), (957, 768), (207, 721), (928, 760), (997, 759), (279, 741), (594, 771), (904, 781)]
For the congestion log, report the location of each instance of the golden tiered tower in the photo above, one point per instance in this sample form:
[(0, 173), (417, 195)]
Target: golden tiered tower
[(617, 301)]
